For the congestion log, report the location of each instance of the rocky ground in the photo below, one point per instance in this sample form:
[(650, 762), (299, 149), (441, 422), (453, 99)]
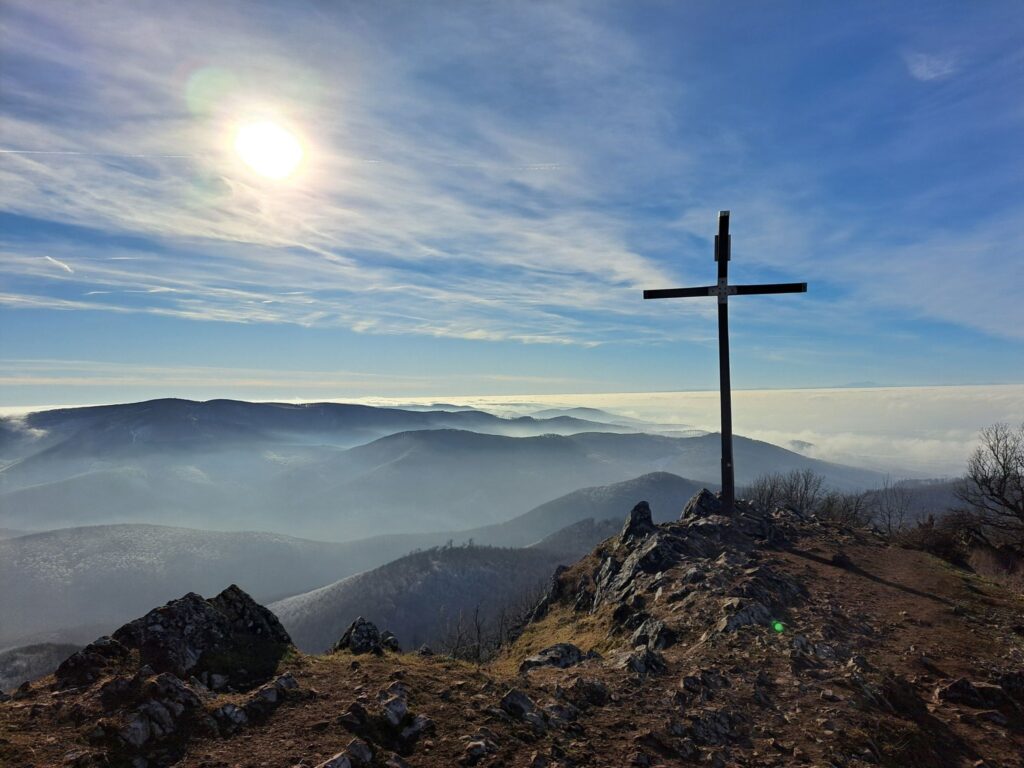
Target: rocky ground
[(755, 640)]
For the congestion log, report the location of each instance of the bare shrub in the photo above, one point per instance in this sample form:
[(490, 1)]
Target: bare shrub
[(765, 491), (851, 509)]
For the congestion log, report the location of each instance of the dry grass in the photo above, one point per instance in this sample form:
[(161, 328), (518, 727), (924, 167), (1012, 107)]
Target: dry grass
[(590, 632), (1003, 567)]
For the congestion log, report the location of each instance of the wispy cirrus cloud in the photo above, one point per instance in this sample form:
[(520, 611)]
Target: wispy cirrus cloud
[(418, 212), (926, 66), (496, 174)]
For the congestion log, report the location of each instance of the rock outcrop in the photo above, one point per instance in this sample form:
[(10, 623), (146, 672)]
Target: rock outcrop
[(153, 682), (226, 641), (560, 655)]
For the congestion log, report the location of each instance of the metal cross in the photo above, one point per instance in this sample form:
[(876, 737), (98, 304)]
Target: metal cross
[(723, 291)]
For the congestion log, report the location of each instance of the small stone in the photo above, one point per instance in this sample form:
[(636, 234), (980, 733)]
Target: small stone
[(517, 704), (644, 661), (587, 691), (477, 750), (359, 752), (560, 655), (960, 691), (420, 724), (655, 634), (395, 710)]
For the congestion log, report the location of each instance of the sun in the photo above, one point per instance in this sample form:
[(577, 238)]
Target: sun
[(269, 149)]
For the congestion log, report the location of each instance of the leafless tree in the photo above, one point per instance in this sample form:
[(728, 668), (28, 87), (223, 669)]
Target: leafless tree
[(765, 492), (479, 636), (891, 507), (994, 484), (802, 489), (799, 489)]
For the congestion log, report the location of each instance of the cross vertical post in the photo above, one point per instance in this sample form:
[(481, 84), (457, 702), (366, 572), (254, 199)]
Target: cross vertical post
[(723, 249)]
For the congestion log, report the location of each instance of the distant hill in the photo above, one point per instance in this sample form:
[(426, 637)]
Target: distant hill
[(665, 492), (419, 597), (568, 539), (591, 414)]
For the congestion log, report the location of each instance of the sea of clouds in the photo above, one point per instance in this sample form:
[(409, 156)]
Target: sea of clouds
[(905, 431)]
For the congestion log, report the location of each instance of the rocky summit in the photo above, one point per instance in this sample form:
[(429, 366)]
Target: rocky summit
[(763, 638)]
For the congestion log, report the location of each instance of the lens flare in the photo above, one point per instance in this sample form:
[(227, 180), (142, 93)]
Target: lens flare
[(209, 89), (269, 149), (778, 626)]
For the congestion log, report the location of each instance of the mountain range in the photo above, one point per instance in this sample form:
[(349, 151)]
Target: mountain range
[(321, 471)]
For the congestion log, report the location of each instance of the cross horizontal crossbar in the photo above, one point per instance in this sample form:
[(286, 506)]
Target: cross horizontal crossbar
[(748, 290), (714, 290)]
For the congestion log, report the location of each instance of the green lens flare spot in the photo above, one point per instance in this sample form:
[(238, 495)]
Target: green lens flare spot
[(778, 626)]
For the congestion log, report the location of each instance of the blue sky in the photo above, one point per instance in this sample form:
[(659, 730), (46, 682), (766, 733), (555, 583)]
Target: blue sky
[(488, 187)]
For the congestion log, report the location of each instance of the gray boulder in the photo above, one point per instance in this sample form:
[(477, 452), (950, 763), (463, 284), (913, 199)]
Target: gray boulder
[(230, 635), (655, 634), (361, 637), (644, 661)]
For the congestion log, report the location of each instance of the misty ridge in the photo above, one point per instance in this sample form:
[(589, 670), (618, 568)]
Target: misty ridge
[(334, 471), (415, 518)]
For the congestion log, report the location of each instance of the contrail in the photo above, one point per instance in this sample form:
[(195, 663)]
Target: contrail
[(84, 154), (60, 264)]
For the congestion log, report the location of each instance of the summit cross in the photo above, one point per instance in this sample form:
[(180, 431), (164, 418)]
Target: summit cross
[(723, 291)]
